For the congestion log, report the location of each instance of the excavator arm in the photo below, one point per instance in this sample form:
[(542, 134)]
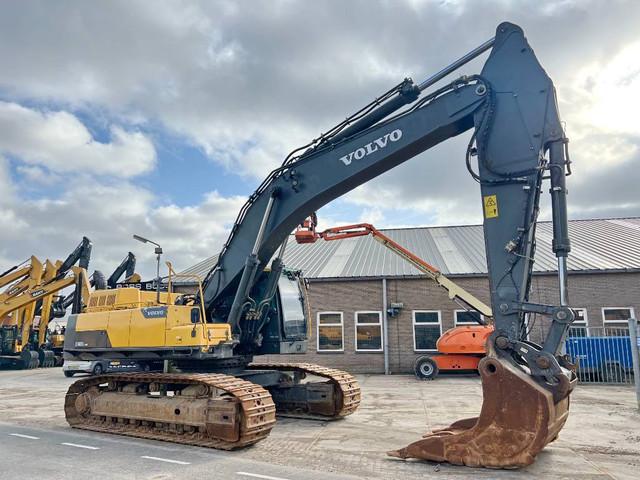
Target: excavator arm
[(29, 274), (126, 267), (15, 273), (48, 307), (80, 255), (38, 292), (518, 141)]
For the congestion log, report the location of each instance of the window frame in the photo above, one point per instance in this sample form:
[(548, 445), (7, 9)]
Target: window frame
[(631, 311), (413, 328), (465, 324), (611, 323), (581, 324), (356, 324), (341, 325)]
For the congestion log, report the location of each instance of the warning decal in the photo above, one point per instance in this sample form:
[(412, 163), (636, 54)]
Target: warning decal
[(490, 206)]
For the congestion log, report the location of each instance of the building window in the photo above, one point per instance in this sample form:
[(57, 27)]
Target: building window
[(467, 317), (330, 332), (427, 329), (616, 319), (368, 331), (579, 326)]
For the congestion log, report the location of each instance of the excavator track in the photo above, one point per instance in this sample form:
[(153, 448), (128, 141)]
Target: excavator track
[(208, 410), (335, 398)]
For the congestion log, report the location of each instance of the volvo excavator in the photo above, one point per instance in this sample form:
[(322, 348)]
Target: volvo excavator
[(246, 307)]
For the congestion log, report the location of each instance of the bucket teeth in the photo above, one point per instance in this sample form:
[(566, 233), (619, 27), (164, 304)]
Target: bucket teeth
[(517, 420)]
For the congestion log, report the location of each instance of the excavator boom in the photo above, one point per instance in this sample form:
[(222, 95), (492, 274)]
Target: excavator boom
[(23, 277), (40, 291), (126, 267)]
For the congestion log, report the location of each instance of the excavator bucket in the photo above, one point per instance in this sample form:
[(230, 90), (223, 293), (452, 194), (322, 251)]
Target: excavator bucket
[(517, 420)]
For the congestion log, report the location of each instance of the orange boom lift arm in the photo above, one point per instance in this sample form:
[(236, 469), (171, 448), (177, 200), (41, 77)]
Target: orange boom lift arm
[(459, 348), (306, 234)]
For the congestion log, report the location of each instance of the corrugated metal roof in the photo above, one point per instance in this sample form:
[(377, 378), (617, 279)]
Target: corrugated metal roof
[(596, 245)]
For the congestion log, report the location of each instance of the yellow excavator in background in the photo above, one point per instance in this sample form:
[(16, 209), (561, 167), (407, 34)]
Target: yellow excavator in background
[(31, 295), (17, 347), (18, 278)]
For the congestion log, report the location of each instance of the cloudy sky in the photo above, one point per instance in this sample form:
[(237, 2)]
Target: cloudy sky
[(159, 118)]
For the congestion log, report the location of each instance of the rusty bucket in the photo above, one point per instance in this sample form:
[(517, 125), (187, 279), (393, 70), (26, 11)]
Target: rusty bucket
[(517, 420)]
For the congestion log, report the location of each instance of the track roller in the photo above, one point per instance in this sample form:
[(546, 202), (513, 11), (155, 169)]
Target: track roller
[(29, 359), (47, 358)]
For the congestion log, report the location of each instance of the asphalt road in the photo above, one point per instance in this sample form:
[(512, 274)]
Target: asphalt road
[(75, 454), (601, 440)]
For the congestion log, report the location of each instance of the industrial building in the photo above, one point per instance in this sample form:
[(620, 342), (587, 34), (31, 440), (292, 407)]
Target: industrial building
[(356, 285)]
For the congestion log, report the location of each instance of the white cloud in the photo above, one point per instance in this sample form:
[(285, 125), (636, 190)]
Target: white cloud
[(62, 143), (109, 215), (38, 175), (6, 183), (609, 92), (248, 83)]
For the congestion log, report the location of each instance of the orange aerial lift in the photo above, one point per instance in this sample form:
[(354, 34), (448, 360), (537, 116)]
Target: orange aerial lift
[(460, 348)]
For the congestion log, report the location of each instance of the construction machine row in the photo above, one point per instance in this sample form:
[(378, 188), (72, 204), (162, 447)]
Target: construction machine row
[(32, 298)]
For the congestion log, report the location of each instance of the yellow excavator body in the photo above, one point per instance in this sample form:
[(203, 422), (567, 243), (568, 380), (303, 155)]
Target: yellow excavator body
[(131, 318), (56, 340)]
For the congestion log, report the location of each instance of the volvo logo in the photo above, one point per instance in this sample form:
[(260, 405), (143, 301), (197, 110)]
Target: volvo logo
[(369, 148), (154, 312)]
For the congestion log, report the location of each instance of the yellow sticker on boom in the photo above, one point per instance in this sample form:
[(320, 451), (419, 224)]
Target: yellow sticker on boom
[(490, 206)]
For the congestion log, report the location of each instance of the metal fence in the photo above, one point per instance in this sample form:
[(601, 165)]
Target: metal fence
[(602, 354)]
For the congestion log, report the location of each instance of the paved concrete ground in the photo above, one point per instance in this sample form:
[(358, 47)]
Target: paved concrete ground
[(600, 441)]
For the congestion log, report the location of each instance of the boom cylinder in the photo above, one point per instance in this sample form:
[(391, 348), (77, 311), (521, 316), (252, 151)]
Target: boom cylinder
[(250, 269), (408, 94), (457, 64), (561, 244)]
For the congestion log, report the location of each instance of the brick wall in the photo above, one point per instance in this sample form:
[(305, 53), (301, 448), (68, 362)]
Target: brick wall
[(590, 291)]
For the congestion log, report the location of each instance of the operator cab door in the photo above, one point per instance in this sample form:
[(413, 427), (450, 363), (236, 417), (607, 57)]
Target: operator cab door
[(286, 330), (291, 305)]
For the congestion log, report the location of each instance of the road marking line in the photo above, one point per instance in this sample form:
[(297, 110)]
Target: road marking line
[(88, 447), (168, 460), (24, 436), (257, 475)]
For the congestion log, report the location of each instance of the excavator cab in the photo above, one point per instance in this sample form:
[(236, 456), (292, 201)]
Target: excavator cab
[(289, 333)]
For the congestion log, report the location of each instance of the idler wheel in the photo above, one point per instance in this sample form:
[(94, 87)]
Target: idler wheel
[(83, 403)]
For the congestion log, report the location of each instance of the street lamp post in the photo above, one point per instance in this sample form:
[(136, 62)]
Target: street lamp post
[(158, 252)]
